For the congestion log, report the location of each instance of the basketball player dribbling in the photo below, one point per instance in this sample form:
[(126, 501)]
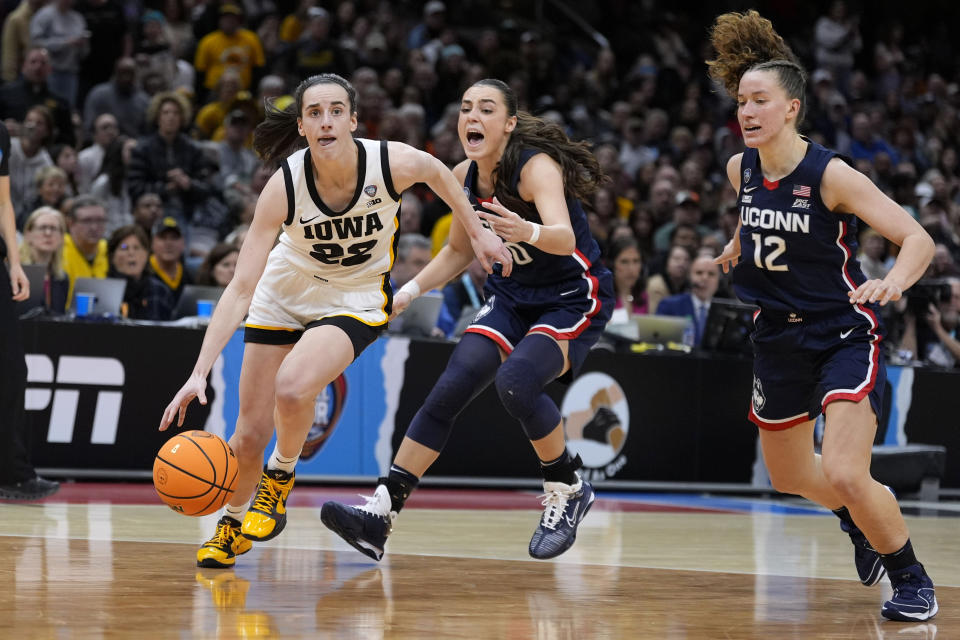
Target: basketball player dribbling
[(534, 327), (816, 342), (318, 298)]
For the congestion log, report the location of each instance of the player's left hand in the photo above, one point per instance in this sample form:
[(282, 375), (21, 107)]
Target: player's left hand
[(19, 283), (879, 291), (506, 224)]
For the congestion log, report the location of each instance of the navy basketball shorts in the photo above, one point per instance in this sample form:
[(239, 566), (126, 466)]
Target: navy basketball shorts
[(575, 310), (800, 367)]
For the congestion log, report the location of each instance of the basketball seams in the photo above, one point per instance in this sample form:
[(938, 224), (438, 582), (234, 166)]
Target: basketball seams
[(214, 493)]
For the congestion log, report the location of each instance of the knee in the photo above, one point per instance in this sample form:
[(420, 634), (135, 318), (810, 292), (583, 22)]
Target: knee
[(248, 444), (518, 387), (293, 393), (847, 480)]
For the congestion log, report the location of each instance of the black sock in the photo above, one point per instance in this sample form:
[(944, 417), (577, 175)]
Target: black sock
[(563, 469), (899, 560), (844, 515), (400, 483)]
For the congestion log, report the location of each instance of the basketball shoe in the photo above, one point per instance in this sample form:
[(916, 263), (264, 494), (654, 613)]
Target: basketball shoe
[(565, 506), (222, 549), (869, 566), (913, 597), (365, 527), (267, 515)]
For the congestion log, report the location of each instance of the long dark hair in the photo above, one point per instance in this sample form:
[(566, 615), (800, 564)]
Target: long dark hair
[(613, 252), (277, 136), (581, 171), (113, 165), (747, 42)]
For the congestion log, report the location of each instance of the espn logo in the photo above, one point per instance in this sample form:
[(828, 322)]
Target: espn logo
[(98, 375)]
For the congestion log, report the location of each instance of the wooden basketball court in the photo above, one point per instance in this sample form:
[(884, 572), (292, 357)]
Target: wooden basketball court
[(108, 561)]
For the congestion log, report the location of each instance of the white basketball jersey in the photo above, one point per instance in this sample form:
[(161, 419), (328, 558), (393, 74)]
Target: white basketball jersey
[(357, 243)]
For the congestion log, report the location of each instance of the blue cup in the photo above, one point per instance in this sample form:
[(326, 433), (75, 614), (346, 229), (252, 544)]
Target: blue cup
[(84, 304), (205, 308)]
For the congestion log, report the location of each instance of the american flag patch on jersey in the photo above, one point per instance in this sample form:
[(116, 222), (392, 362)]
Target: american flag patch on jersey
[(801, 190)]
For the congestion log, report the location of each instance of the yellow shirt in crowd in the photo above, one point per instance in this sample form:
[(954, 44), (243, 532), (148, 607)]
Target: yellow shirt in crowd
[(76, 265), (218, 51)]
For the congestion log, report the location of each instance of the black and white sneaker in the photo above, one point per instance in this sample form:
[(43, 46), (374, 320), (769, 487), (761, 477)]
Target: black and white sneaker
[(565, 506), (364, 527), (35, 488), (913, 596)]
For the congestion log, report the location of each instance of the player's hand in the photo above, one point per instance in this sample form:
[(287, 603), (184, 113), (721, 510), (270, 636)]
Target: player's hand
[(730, 256), (507, 224), (19, 283), (194, 387), (401, 300), (875, 291), (489, 249)]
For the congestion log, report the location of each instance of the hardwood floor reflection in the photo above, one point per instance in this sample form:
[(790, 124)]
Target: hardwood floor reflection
[(84, 571)]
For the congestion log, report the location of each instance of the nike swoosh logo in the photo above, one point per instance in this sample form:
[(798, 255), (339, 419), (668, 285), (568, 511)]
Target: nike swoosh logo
[(748, 189), (302, 221), (844, 334), (572, 518)]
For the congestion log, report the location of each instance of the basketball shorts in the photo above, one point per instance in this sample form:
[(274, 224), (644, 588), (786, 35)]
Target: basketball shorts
[(575, 310), (288, 302), (800, 367)]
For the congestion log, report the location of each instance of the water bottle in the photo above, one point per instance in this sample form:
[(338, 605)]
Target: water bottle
[(688, 333)]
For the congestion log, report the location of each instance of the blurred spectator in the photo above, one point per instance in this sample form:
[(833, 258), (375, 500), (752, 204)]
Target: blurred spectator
[(63, 33), (642, 224), (166, 256), (28, 154), (229, 47), (291, 28), (237, 162), (51, 189), (16, 38), (84, 247), (674, 278), (120, 97), (704, 280), (145, 297), (836, 39), (89, 160), (43, 237), (413, 254), (866, 144), (65, 157), (626, 262), (875, 259), (109, 39), (687, 211), (663, 200), (434, 22), (110, 186), (219, 265), (147, 210), (933, 338), (169, 163), (32, 89), (211, 115), (153, 50)]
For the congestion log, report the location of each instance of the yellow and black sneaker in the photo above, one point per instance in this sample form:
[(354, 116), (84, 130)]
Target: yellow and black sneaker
[(267, 516), (222, 549)]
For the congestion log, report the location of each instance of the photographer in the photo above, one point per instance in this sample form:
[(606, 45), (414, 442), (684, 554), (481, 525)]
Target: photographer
[(934, 340)]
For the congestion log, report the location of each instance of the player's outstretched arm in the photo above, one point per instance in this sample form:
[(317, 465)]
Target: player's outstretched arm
[(235, 301), (846, 190), (409, 166)]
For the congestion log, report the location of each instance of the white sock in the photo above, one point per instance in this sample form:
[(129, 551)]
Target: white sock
[(236, 513), (277, 461)]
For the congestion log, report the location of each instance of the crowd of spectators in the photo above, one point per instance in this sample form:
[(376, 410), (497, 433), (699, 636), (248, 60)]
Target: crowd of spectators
[(146, 108)]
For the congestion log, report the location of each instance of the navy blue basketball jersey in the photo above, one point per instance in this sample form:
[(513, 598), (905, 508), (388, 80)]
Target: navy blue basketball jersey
[(795, 254), (531, 266)]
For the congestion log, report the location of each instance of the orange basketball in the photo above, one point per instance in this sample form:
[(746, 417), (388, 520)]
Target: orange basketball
[(195, 473)]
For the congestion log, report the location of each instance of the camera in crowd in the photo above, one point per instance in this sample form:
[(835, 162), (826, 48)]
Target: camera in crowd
[(926, 292)]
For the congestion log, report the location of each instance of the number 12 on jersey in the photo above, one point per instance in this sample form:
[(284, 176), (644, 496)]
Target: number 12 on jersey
[(769, 262)]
